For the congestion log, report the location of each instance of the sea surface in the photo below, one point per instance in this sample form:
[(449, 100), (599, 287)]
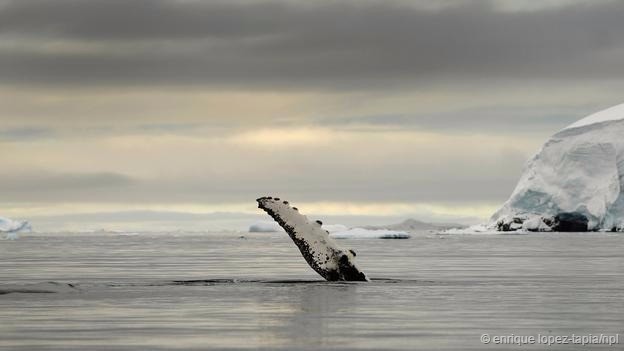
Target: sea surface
[(229, 290)]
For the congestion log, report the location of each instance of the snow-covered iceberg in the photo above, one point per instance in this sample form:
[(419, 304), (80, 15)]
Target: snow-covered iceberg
[(575, 181), (11, 228)]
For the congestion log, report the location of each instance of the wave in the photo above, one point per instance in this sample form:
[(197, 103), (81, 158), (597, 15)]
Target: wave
[(38, 288), (62, 287)]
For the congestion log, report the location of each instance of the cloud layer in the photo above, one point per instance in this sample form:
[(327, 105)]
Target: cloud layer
[(320, 45)]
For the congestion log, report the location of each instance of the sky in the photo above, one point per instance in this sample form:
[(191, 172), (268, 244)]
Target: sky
[(379, 110)]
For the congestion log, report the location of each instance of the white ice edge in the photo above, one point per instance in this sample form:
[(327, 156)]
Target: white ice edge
[(613, 113)]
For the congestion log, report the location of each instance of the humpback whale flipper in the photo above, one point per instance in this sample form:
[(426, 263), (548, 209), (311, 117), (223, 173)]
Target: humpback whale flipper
[(320, 251)]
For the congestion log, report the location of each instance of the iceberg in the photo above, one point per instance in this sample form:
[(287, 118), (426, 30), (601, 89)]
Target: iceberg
[(11, 228), (574, 183)]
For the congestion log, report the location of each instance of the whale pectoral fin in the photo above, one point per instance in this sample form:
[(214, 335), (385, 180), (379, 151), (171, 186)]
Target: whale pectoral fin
[(319, 250), (311, 239)]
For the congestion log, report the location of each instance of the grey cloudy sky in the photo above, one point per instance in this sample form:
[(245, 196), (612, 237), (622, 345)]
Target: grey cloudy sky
[(304, 45), (349, 107)]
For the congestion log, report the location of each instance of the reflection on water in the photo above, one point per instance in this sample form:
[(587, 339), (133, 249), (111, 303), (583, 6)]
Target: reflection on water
[(201, 291), (309, 316)]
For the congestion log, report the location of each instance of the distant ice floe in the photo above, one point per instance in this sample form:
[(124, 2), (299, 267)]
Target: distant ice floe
[(12, 227), (336, 231), (361, 233), (475, 229)]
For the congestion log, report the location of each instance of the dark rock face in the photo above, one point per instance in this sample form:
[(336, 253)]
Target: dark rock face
[(509, 225), (563, 222), (570, 222)]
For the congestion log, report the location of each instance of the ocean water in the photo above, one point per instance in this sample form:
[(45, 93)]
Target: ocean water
[(196, 291)]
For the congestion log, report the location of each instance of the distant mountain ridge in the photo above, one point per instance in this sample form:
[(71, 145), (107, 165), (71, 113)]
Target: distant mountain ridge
[(412, 224)]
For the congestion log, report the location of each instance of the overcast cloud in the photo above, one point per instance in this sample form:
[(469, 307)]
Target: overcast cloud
[(304, 45)]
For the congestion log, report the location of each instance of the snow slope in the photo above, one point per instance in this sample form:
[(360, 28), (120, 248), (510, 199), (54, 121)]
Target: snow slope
[(581, 170), (610, 114)]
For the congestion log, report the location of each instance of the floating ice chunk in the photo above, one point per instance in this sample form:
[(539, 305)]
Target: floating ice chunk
[(12, 236), (12, 227)]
